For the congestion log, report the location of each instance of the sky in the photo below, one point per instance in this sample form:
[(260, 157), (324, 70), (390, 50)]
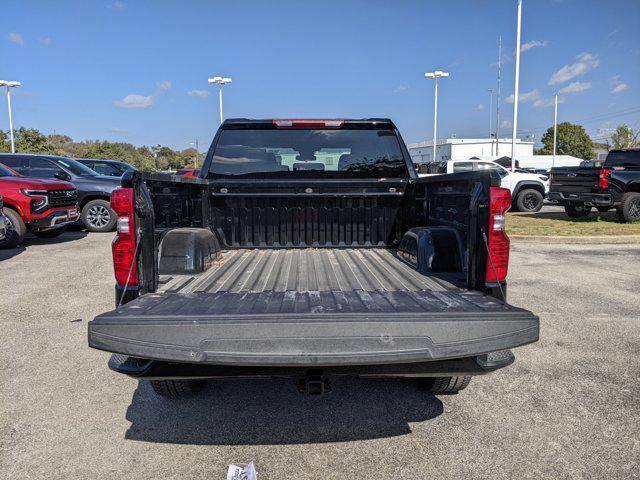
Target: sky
[(136, 71)]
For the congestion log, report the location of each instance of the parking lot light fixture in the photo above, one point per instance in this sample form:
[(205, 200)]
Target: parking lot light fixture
[(435, 76), (220, 81), (10, 85)]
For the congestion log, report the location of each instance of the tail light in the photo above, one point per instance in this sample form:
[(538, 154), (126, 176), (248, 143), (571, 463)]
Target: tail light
[(498, 257), (124, 244), (603, 180)]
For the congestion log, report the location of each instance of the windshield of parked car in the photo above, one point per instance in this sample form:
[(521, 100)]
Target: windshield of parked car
[(75, 167), (308, 153), (623, 158), (6, 172)]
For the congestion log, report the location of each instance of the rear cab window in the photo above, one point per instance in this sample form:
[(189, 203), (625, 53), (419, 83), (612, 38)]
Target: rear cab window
[(307, 153), (623, 159)]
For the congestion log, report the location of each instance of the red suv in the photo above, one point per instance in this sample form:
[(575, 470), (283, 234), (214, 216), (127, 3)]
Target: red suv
[(43, 207)]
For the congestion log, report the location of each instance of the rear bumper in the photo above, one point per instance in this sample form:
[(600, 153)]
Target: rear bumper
[(311, 340), (55, 219), (158, 370), (598, 199)]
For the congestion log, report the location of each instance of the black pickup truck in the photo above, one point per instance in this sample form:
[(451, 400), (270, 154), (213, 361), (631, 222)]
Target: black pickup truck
[(309, 249), (614, 185)]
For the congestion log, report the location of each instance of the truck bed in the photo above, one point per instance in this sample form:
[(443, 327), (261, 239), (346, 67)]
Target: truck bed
[(309, 270), (314, 307)]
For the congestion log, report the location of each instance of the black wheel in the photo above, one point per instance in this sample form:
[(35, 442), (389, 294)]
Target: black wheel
[(177, 388), (15, 229), (53, 233), (445, 385), (529, 200), (97, 216), (577, 210), (603, 209), (630, 209)]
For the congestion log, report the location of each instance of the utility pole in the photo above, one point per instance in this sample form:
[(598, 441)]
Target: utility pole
[(10, 85), (435, 76), (196, 159), (555, 129), (498, 100), (490, 123), (515, 92)]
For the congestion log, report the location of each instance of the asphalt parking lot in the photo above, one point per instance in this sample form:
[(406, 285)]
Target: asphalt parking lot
[(568, 407)]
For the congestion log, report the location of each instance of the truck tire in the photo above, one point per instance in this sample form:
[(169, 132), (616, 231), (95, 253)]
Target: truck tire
[(577, 210), (446, 385), (15, 229), (177, 388), (53, 233), (97, 216), (529, 200), (630, 208)]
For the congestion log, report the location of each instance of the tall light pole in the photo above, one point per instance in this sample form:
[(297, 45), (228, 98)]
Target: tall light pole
[(555, 129), (220, 81), (490, 90), (195, 159), (435, 76), (515, 93), (10, 85), (498, 100)]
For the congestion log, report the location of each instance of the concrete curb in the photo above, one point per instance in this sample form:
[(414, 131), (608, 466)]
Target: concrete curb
[(577, 240)]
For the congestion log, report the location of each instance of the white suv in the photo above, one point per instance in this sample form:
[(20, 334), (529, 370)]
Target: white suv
[(528, 190)]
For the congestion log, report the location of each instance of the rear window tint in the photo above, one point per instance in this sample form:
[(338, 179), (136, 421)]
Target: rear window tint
[(629, 158)]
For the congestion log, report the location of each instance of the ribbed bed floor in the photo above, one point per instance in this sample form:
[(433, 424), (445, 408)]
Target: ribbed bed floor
[(303, 270)]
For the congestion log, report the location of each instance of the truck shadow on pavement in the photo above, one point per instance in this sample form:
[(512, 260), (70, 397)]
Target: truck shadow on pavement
[(272, 412)]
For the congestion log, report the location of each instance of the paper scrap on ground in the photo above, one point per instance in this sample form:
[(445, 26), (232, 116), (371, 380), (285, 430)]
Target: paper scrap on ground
[(248, 472)]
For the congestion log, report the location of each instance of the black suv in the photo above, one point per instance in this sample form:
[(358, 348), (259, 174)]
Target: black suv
[(110, 168), (94, 190)]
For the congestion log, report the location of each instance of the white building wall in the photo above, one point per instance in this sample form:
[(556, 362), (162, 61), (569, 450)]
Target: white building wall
[(463, 148)]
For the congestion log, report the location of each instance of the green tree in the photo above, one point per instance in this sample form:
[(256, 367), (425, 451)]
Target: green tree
[(5, 144), (30, 140), (571, 140), (625, 137)]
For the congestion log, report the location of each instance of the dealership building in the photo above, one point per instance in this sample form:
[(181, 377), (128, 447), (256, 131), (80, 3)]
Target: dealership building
[(465, 148)]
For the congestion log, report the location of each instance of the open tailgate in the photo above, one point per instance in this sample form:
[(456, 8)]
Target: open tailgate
[(315, 328)]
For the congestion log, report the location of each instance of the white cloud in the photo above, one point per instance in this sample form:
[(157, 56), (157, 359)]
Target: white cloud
[(547, 102), (46, 41), (198, 93), (16, 38), (585, 63), (135, 101), (621, 87), (480, 107), (524, 97), (401, 88), (163, 84), (616, 78), (118, 130), (533, 44), (118, 4), (506, 124), (575, 87)]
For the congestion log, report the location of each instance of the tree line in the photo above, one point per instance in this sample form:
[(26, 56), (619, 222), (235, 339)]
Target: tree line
[(157, 157), (573, 140)]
